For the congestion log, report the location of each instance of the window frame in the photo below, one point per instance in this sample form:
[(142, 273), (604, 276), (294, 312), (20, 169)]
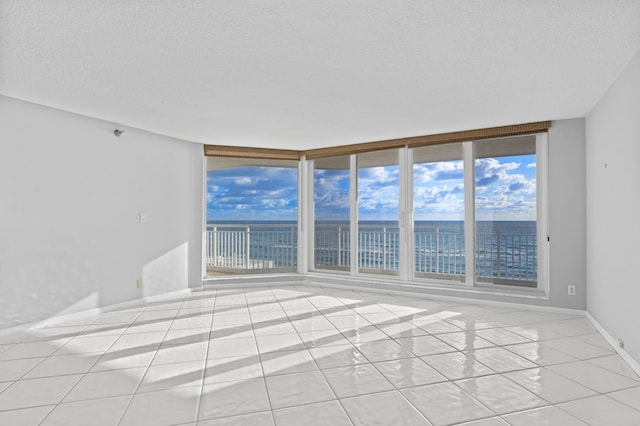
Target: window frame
[(406, 223), (234, 271), (305, 211)]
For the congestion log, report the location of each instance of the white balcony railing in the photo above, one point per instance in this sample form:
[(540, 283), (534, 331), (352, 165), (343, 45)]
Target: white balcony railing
[(440, 251), (505, 253), (377, 247), (332, 246), (252, 247)]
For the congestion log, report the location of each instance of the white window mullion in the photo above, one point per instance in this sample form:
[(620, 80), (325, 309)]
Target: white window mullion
[(353, 212), (542, 231), (469, 213), (305, 216), (404, 224), (203, 220)]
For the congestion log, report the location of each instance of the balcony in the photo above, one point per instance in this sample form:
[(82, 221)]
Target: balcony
[(505, 253), (251, 248)]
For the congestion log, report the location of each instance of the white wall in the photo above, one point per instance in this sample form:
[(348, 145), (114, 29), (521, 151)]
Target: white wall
[(567, 227), (613, 209), (567, 218), (70, 195)]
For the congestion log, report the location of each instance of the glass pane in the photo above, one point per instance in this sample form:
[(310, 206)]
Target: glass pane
[(438, 207), (331, 214), (252, 212), (378, 211), (506, 211)]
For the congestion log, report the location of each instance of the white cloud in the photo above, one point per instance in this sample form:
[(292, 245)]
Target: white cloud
[(273, 203), (491, 166), (379, 174), (439, 202), (520, 184), (490, 171), (440, 171), (242, 181), (275, 193), (230, 199)]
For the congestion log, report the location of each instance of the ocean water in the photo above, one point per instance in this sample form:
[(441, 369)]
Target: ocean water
[(505, 250)]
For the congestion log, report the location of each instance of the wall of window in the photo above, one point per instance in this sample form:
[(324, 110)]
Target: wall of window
[(506, 211), (332, 214), (252, 216), (378, 182), (449, 213), (465, 213), (438, 212)]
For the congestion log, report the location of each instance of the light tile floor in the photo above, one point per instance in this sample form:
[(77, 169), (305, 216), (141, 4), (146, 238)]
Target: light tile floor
[(299, 355)]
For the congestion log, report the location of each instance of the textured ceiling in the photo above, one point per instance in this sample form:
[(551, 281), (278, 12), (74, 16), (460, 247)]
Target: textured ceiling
[(306, 74)]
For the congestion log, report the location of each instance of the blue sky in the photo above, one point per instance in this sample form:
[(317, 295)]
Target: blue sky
[(252, 193), (505, 190), (438, 191), (331, 195)]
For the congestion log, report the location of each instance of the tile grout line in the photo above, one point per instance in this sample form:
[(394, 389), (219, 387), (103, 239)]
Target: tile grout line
[(314, 361), (83, 375), (135, 391), (413, 387), (264, 377), (365, 300), (206, 357)]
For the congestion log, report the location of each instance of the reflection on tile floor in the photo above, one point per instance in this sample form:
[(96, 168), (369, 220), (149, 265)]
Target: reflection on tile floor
[(300, 355)]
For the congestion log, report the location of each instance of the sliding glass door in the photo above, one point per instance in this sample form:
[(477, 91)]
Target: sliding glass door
[(506, 212), (461, 213), (378, 212), (438, 209), (331, 212), (252, 208)]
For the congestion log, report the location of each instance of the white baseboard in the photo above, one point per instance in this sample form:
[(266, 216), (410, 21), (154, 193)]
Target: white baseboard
[(251, 281), (635, 366), (428, 293), (513, 299)]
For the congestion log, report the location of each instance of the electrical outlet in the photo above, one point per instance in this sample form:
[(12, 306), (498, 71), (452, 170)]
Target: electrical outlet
[(143, 217), (571, 290), (139, 283)]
